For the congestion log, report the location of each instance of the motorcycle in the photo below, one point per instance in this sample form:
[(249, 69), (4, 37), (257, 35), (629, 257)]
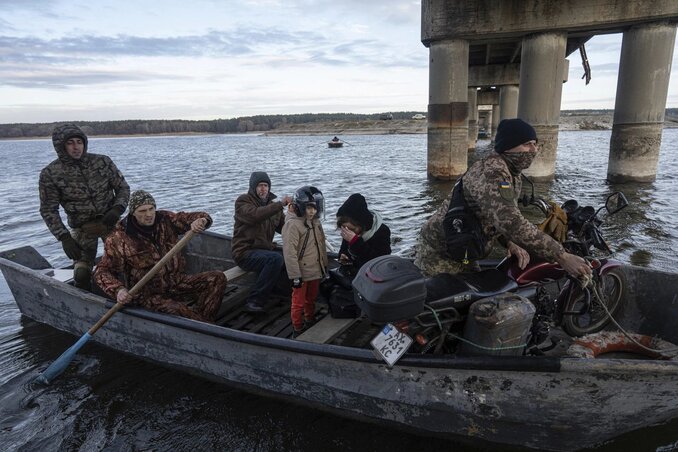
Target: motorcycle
[(578, 306)]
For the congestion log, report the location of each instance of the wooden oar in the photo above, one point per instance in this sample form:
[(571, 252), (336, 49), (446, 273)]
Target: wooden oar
[(57, 367)]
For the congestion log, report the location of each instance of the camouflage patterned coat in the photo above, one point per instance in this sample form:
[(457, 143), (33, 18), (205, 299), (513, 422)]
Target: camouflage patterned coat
[(128, 256), (491, 190), (86, 188)]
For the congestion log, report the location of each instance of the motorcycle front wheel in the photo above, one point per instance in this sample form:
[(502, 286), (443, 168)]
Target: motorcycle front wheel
[(611, 286)]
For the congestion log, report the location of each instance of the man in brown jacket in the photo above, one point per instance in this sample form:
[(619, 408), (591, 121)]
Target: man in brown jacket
[(258, 215), (92, 192), (138, 242)]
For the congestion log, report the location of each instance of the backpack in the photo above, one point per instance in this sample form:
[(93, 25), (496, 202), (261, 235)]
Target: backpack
[(464, 235), (342, 304)]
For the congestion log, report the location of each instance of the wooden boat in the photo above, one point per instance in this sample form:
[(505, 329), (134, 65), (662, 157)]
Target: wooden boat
[(541, 402), (335, 144)]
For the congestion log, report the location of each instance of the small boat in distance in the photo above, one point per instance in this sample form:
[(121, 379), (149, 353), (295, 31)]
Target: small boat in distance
[(335, 143), (483, 134)]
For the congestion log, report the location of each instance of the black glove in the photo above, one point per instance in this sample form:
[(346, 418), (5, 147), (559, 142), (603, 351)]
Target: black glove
[(112, 216), (71, 247), (296, 283)]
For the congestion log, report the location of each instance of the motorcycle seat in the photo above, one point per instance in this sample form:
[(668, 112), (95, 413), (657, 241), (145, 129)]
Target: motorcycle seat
[(461, 290)]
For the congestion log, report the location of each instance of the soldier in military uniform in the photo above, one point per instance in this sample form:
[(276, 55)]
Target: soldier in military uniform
[(92, 192), (491, 188), (138, 242)]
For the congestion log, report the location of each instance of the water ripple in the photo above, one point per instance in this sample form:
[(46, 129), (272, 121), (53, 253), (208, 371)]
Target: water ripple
[(111, 401)]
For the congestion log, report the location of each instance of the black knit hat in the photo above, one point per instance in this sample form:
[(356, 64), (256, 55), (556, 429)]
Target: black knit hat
[(355, 207), (512, 133)]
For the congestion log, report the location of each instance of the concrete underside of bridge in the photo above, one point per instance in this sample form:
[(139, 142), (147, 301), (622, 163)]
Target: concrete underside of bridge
[(519, 48)]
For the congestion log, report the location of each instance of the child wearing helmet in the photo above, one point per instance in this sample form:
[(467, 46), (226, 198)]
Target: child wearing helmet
[(305, 254)]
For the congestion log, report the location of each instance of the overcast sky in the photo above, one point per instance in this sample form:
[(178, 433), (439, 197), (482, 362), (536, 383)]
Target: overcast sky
[(107, 60)]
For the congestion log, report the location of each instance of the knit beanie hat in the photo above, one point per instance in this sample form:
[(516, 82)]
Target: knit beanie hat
[(512, 133), (140, 198), (355, 207)]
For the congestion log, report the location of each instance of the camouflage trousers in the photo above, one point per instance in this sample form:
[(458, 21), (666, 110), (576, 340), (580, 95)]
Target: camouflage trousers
[(203, 290), (432, 261), (87, 237)]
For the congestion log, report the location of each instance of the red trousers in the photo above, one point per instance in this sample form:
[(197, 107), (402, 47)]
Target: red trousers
[(303, 303)]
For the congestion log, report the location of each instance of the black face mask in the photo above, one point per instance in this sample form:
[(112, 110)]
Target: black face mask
[(519, 161)]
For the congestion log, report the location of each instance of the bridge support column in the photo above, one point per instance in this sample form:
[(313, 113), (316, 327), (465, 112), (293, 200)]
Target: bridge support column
[(642, 87), (495, 121), (447, 157), (472, 118), (508, 102), (541, 89)]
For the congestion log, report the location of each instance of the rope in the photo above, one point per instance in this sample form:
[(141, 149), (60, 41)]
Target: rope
[(600, 299), (585, 63), (510, 347)]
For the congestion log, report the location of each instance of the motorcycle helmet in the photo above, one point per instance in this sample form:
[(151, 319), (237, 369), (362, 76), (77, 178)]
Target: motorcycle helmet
[(308, 195)]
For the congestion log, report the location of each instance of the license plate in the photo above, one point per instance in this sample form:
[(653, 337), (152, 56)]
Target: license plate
[(391, 344)]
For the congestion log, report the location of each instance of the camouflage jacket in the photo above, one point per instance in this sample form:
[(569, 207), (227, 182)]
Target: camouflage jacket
[(86, 188), (129, 255), (492, 192), (255, 224)]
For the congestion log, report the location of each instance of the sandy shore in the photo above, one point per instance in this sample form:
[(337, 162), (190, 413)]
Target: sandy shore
[(568, 121)]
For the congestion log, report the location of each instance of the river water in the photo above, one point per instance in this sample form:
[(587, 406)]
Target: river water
[(112, 401)]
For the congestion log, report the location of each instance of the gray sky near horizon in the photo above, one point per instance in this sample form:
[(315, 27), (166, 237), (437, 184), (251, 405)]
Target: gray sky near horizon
[(207, 59)]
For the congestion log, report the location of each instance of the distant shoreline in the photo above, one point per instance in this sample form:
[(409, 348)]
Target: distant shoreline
[(568, 122), (136, 135)]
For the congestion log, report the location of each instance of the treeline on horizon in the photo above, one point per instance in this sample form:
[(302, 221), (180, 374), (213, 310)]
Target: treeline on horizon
[(259, 123)]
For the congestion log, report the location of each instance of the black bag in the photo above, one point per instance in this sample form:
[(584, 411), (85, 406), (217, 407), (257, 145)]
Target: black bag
[(342, 304), (463, 233), (343, 275)]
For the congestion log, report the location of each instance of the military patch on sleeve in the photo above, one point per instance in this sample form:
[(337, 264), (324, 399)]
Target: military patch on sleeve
[(506, 191)]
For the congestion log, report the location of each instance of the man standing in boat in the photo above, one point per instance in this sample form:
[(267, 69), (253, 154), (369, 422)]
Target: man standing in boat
[(92, 192), (138, 242), (258, 215), (491, 188)]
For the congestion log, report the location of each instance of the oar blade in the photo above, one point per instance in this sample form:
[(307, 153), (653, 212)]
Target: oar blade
[(57, 367)]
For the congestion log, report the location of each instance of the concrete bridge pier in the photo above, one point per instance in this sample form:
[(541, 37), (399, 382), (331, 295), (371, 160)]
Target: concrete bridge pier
[(508, 102), (642, 87), (447, 157), (495, 120), (541, 89), (472, 118)]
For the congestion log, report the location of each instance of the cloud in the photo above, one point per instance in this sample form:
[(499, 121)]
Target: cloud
[(41, 78), (6, 26), (262, 47), (31, 5), (212, 44)]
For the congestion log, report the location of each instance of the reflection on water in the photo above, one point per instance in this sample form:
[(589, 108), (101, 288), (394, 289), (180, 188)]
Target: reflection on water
[(117, 402)]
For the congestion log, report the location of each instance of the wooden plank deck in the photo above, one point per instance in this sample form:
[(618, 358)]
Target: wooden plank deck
[(325, 330)]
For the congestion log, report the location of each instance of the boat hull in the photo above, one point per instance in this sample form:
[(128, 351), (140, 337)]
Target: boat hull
[(542, 403)]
